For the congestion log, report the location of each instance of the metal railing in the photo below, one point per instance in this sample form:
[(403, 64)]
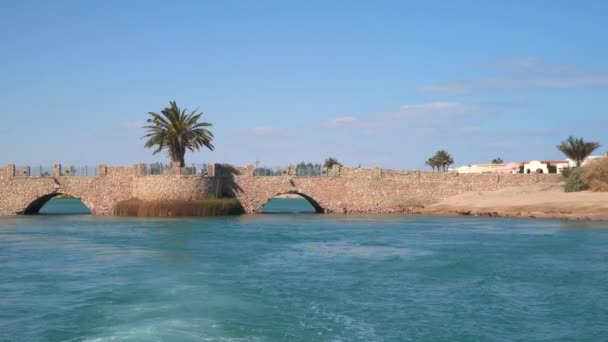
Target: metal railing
[(41, 171), (270, 171), (48, 171), (84, 171), (196, 169), (157, 168), (310, 170), (300, 170), (165, 169)]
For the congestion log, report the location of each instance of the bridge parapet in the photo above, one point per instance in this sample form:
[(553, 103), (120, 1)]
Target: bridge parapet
[(57, 170)]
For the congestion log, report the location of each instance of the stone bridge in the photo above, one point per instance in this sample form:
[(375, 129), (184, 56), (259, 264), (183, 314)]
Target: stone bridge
[(338, 190)]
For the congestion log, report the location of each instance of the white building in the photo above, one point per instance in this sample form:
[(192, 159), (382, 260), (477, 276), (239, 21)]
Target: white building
[(479, 168), (542, 166)]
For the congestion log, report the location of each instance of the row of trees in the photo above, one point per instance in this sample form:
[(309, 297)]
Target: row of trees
[(177, 130), (576, 149)]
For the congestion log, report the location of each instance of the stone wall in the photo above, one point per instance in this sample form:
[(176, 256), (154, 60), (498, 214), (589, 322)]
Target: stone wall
[(99, 194), (181, 187), (343, 190), (377, 190)]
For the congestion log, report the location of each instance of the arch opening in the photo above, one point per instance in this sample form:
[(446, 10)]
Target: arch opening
[(291, 203), (57, 204)]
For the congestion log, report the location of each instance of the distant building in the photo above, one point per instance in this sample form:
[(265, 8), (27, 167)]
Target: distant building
[(544, 166), (532, 166), (508, 168), (479, 168)]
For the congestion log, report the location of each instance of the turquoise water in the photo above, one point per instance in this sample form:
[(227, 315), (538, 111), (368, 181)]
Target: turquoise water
[(288, 205), (67, 206), (302, 278)]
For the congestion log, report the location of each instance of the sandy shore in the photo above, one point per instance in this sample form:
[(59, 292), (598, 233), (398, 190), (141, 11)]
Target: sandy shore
[(536, 201)]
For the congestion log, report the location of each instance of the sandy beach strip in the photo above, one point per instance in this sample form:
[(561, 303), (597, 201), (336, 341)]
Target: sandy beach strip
[(536, 201)]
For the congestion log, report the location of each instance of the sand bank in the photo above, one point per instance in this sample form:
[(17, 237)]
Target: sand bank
[(536, 201)]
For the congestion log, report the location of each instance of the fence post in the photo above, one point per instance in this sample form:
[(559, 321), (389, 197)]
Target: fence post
[(57, 170), (335, 170), (140, 169), (250, 170), (10, 170), (102, 170), (378, 172)]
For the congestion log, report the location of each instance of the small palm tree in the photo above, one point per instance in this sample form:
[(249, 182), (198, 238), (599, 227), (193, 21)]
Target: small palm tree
[(176, 130), (330, 162), (577, 149), (497, 161), (445, 159)]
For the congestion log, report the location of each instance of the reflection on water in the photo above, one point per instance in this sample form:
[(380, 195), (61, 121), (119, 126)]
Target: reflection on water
[(301, 278)]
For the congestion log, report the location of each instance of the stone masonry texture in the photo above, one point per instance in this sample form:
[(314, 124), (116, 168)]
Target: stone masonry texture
[(347, 190)]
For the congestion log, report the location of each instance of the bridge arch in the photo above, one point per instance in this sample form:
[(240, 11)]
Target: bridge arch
[(35, 205), (314, 203)]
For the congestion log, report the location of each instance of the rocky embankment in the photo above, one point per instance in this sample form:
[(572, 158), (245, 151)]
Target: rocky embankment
[(536, 201)]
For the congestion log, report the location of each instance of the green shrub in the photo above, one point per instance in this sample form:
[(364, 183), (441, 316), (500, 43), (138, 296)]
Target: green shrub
[(566, 171), (552, 168), (573, 181), (521, 169)]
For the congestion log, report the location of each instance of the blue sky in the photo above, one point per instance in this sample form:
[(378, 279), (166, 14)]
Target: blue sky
[(376, 83)]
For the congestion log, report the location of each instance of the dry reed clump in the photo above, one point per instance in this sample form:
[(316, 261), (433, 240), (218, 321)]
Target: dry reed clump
[(595, 174), (174, 208)]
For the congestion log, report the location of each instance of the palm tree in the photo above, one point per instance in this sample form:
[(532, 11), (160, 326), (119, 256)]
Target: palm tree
[(577, 149), (445, 159), (432, 163), (497, 161), (441, 160), (330, 162), (177, 131)]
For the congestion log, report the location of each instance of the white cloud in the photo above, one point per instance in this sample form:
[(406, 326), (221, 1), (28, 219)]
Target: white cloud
[(131, 124), (437, 106), (261, 130), (341, 121), (430, 110), (523, 73)]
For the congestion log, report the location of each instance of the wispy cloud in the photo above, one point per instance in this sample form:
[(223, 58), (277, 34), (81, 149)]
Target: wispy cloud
[(131, 124), (341, 121), (523, 73), (434, 108), (261, 130), (424, 113)]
